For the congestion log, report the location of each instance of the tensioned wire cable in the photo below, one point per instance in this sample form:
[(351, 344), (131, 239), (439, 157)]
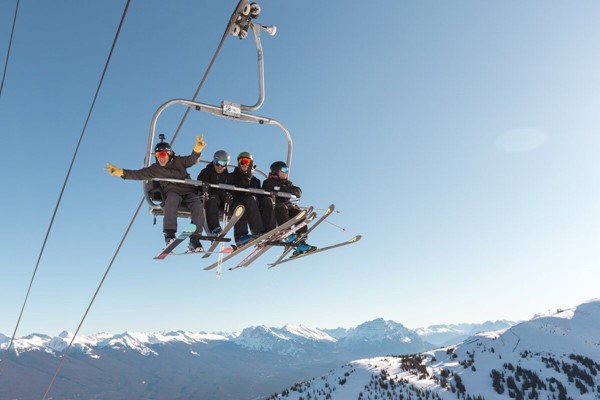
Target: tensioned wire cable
[(8, 51), (65, 352), (5, 358)]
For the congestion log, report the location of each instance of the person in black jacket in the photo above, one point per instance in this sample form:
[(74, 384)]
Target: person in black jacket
[(216, 173), (168, 165), (242, 177), (277, 181)]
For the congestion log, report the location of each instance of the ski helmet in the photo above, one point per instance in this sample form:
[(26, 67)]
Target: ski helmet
[(162, 146), (278, 166), (222, 158), (245, 154)]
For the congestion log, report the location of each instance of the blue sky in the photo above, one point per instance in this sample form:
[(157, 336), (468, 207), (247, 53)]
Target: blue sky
[(459, 138)]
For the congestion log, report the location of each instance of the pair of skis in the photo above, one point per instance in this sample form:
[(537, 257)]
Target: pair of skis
[(216, 240), (262, 238), (262, 243), (303, 237), (278, 238), (320, 249)]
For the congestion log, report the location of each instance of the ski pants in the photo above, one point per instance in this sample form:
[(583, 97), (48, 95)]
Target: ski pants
[(213, 205), (284, 212), (192, 201), (251, 217), (265, 205)]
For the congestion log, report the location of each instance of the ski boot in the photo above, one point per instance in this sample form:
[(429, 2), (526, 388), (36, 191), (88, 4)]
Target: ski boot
[(242, 240), (290, 238), (303, 248), (169, 238), (195, 246)]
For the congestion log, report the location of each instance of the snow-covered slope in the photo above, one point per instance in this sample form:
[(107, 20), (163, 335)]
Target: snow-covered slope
[(549, 357)]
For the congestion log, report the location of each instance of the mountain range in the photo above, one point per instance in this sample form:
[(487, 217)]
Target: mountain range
[(548, 357), (252, 363)]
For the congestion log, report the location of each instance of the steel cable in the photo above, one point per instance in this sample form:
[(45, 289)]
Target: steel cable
[(5, 358), (8, 51), (65, 352)]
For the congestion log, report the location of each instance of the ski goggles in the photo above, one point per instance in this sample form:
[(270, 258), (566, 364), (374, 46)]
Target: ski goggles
[(285, 170), (221, 163), (161, 154), (244, 161)]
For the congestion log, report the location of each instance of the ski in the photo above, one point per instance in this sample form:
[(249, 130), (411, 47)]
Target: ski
[(237, 214), (292, 258), (275, 240), (299, 239), (226, 250), (186, 233), (259, 239)]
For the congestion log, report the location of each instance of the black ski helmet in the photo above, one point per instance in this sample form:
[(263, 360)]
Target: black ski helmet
[(162, 145), (221, 157), (277, 165)]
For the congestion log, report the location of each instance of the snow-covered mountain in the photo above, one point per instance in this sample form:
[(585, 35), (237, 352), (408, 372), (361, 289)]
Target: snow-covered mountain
[(549, 357), (134, 365), (446, 335), (383, 336), (261, 360), (289, 340)]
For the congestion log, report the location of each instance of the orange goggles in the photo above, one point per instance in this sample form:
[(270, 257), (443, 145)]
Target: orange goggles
[(244, 161), (161, 154)]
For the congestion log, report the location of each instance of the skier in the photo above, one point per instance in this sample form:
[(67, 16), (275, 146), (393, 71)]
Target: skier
[(242, 176), (277, 181), (169, 165), (216, 173)]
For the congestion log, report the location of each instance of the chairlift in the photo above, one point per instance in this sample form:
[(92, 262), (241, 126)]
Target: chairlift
[(240, 23)]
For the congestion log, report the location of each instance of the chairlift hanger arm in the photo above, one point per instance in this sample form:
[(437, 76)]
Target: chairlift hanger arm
[(261, 71)]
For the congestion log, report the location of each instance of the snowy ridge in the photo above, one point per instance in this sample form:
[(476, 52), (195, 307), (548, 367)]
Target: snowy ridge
[(302, 331), (293, 340), (443, 335), (550, 357), (287, 340), (136, 341), (380, 329), (375, 330)]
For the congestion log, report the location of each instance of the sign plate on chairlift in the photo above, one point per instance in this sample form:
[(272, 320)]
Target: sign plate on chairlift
[(231, 109)]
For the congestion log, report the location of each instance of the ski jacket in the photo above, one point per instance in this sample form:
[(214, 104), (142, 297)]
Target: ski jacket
[(274, 184), (176, 168), (243, 180), (209, 175)]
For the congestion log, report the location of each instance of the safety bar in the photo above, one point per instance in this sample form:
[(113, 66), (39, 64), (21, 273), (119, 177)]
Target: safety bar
[(225, 186)]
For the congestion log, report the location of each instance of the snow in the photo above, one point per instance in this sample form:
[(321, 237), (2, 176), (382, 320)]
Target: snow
[(309, 333), (528, 346)]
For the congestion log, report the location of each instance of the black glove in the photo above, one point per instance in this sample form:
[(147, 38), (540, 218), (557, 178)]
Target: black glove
[(228, 198), (296, 191)]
